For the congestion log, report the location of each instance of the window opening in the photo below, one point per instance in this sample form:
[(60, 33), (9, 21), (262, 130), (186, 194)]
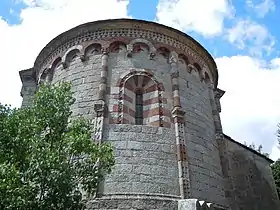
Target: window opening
[(139, 108)]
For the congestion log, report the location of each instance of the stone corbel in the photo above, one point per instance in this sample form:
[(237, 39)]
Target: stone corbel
[(105, 50), (129, 50), (202, 79), (218, 93), (152, 55), (190, 68), (82, 57), (173, 58), (64, 64)]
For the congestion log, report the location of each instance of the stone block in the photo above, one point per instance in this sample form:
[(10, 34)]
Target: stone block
[(194, 204)]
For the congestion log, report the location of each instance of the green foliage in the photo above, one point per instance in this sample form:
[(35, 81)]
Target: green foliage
[(276, 174), (276, 165), (46, 159), (259, 149)]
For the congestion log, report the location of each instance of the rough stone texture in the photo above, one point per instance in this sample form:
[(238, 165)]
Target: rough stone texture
[(28, 86), (162, 162), (195, 204), (204, 160), (145, 160), (134, 203), (254, 186), (84, 78)]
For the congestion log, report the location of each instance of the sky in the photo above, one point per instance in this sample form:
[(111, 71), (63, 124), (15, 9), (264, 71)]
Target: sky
[(242, 35)]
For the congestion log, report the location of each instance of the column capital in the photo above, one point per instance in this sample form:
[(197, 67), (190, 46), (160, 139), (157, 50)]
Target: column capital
[(173, 59), (82, 57), (129, 50), (178, 111), (174, 75), (178, 115), (99, 107), (152, 55), (105, 51)]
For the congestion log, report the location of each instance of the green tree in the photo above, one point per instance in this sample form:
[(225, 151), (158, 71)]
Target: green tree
[(47, 160), (259, 149), (276, 175), (276, 166)]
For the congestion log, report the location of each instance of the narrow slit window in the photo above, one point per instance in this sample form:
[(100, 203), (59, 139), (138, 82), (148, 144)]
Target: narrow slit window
[(139, 108)]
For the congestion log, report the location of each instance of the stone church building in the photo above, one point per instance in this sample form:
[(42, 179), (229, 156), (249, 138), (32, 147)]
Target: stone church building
[(152, 92)]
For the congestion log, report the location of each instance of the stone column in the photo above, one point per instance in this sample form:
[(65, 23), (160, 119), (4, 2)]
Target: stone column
[(99, 105), (103, 76), (221, 142), (179, 124)]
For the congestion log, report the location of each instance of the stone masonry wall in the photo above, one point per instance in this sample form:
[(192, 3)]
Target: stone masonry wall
[(204, 160), (253, 183), (84, 77), (134, 203), (146, 156), (145, 160), (119, 66), (174, 153)]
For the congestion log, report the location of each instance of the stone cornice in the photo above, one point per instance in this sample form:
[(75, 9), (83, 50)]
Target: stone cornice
[(219, 93), (27, 75), (104, 28)]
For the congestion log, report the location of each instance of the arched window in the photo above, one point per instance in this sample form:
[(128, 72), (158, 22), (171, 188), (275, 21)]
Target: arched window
[(138, 107), (141, 101)]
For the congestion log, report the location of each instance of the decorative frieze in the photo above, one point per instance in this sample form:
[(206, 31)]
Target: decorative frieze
[(162, 35)]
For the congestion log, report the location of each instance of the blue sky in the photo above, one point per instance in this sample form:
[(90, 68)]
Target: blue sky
[(146, 9), (242, 35)]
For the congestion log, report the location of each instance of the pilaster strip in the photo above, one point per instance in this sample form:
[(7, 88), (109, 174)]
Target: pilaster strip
[(221, 144), (99, 105), (103, 76), (179, 124)]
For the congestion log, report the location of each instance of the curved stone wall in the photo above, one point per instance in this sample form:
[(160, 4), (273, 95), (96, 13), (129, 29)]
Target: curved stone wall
[(174, 152)]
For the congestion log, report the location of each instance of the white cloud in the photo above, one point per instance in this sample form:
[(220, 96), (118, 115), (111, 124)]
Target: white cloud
[(204, 17), (249, 35), (250, 106), (42, 20), (262, 8), (275, 152)]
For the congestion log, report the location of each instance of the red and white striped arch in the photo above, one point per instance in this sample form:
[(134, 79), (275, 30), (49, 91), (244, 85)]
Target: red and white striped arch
[(155, 112)]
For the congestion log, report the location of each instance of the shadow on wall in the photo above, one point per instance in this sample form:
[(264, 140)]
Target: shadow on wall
[(252, 189)]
